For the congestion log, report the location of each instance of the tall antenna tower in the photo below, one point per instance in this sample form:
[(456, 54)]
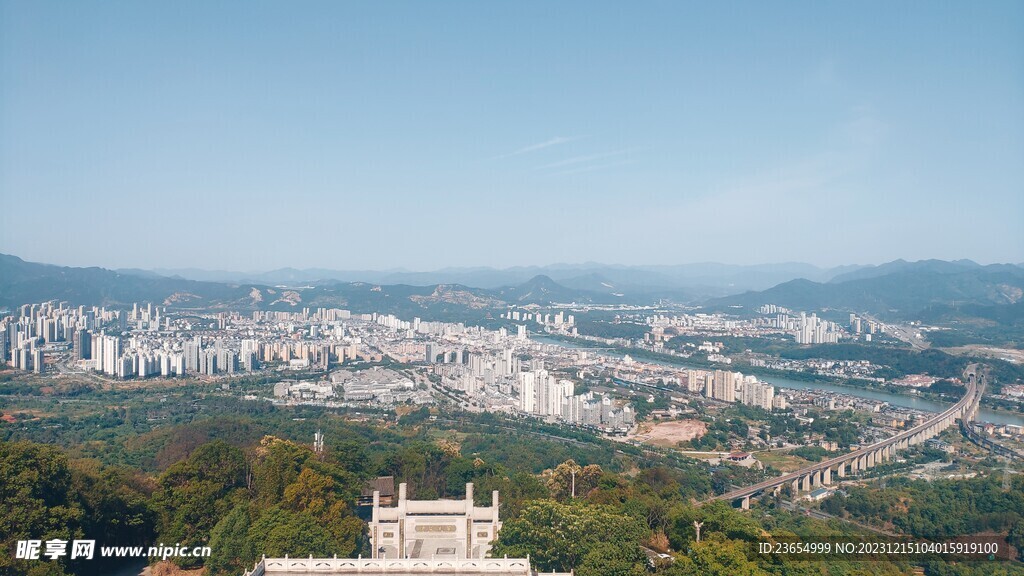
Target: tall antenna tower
[(318, 443)]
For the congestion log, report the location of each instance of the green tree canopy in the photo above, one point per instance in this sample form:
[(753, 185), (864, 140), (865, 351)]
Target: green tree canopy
[(193, 494), (560, 536)]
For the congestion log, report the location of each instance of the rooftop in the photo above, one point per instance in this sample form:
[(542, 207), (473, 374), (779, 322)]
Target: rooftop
[(383, 484)]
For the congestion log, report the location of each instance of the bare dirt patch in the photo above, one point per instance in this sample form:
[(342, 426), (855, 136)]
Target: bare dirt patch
[(670, 433), (1009, 354)]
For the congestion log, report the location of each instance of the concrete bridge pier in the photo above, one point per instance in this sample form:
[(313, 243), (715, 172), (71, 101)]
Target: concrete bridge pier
[(817, 475)]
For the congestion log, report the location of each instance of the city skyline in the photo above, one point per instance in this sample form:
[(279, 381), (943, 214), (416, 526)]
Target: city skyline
[(420, 137), (521, 288)]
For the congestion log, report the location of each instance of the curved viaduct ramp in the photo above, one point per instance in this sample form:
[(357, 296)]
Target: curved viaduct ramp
[(822, 473)]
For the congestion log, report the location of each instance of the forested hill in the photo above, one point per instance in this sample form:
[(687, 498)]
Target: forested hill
[(239, 478), (902, 292), (24, 282)]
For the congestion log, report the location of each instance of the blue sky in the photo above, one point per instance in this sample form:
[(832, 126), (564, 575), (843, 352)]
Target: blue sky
[(255, 135)]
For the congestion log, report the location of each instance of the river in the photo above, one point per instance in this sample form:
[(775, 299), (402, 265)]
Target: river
[(901, 400)]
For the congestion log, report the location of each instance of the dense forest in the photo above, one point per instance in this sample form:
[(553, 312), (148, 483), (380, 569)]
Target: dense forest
[(185, 465), (277, 497), (941, 509)]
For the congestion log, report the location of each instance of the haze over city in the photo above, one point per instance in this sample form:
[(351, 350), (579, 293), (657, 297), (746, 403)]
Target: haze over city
[(354, 136)]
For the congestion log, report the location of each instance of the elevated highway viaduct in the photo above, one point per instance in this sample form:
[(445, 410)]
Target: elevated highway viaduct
[(826, 472)]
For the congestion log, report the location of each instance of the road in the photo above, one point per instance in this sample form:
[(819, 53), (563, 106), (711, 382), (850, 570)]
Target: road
[(967, 405), (904, 332)]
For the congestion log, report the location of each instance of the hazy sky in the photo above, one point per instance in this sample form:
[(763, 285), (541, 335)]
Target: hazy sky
[(255, 135)]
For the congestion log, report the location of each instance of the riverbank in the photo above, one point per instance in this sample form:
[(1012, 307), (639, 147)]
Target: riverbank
[(793, 381)]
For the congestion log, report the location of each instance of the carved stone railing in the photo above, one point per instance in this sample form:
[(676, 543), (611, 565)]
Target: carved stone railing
[(286, 565)]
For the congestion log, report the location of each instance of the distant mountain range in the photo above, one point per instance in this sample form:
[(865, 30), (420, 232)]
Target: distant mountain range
[(699, 280), (933, 266), (895, 289), (25, 282)]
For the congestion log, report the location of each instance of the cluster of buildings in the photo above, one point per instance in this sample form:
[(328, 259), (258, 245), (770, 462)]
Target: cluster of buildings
[(136, 356), (306, 391), (147, 341), (810, 329), (774, 320), (38, 329), (495, 370), (729, 386), (497, 376), (841, 369), (814, 330), (542, 394), (557, 320), (375, 385), (378, 385), (488, 370), (864, 326), (1012, 431), (1011, 393), (664, 327), (802, 400)]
